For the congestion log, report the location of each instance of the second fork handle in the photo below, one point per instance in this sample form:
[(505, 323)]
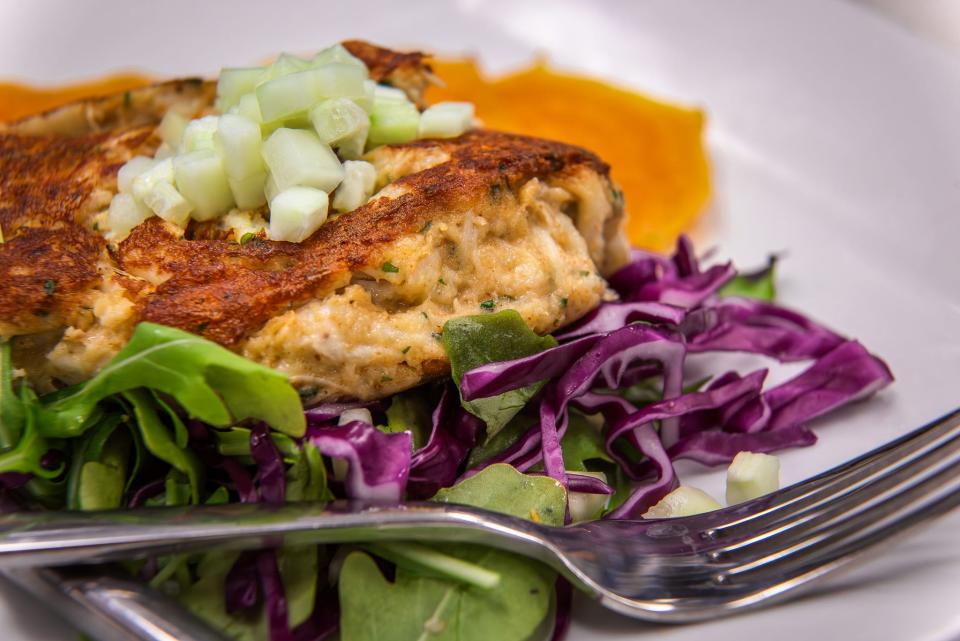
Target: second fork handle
[(68, 538)]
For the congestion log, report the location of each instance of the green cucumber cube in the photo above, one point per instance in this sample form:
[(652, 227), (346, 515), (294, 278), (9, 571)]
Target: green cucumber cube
[(202, 180), (751, 475), (359, 178), (296, 213), (683, 501), (298, 158)]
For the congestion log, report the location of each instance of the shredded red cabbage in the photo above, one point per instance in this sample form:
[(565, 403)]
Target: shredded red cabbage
[(274, 596), (453, 432), (271, 473), (379, 463), (670, 307)]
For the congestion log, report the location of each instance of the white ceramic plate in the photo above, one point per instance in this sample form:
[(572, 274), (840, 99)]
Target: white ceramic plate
[(834, 140)]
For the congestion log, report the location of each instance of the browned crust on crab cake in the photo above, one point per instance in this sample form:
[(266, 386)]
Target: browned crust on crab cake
[(225, 291), (545, 208)]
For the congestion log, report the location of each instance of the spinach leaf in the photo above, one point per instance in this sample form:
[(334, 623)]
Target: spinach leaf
[(298, 570), (426, 608), (501, 488), (581, 443), (471, 341), (758, 284), (210, 382), (157, 440), (410, 412), (512, 432)]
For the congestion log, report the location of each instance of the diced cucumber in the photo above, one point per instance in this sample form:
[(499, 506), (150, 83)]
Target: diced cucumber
[(296, 157), (164, 151), (751, 475), (130, 170), (369, 93), (168, 203), (383, 93), (125, 213), (342, 124), (160, 171), (340, 80), (234, 83), (336, 53), (171, 127), (286, 64), (296, 213), (249, 192), (202, 180), (359, 178), (238, 140), (392, 121), (683, 501), (446, 120), (292, 95), (587, 507), (249, 107), (270, 189), (198, 134)]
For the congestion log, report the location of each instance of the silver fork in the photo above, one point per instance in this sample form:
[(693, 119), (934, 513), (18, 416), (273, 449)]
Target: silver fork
[(667, 570)]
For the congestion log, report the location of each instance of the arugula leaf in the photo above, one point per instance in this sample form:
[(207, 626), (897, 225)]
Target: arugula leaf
[(207, 598), (12, 413), (471, 341), (410, 412), (210, 382), (157, 440), (102, 481), (25, 457), (581, 443), (758, 284), (307, 477), (426, 608), (501, 488)]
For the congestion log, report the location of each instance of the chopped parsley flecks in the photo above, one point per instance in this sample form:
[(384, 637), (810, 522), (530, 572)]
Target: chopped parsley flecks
[(390, 267), (424, 314), (386, 379), (584, 273), (49, 286), (405, 350), (488, 304), (426, 227), (564, 301), (247, 237), (440, 281)]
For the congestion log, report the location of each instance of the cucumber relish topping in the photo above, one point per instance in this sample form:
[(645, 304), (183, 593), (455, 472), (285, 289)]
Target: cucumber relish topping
[(290, 135)]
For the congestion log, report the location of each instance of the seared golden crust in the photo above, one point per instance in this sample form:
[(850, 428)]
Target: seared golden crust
[(224, 291), (488, 216), (381, 62), (49, 255)]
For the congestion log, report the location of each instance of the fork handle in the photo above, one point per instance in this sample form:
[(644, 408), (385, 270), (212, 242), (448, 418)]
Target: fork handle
[(111, 608), (69, 538)]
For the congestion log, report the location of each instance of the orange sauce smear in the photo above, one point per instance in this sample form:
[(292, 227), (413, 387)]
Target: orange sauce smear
[(655, 149)]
